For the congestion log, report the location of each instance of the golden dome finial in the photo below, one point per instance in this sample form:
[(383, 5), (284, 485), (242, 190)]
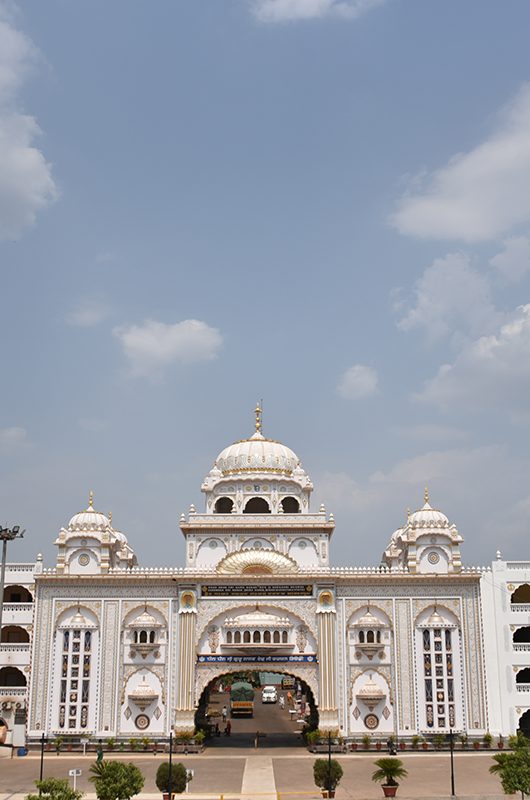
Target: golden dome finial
[(110, 517), (426, 495), (90, 499), (258, 411)]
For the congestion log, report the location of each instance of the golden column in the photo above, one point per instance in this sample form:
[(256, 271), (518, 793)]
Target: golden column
[(327, 652), (185, 710)]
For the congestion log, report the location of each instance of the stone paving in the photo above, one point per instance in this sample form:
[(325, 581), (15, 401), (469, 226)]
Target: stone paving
[(267, 774)]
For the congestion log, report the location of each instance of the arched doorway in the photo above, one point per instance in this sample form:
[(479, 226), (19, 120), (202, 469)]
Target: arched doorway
[(12, 677), (280, 718), (524, 723)]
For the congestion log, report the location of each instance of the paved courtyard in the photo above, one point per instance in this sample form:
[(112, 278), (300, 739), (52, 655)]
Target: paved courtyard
[(268, 772)]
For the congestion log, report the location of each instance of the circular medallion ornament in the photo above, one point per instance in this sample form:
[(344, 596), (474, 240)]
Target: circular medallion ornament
[(84, 559), (142, 722), (433, 558), (371, 721), (213, 544)]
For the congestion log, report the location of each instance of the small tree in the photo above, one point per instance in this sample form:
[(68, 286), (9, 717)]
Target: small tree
[(178, 778), (116, 780), (388, 770), (327, 774), (513, 770), (54, 789)]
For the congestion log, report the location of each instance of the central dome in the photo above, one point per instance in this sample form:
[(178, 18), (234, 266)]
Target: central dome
[(257, 454)]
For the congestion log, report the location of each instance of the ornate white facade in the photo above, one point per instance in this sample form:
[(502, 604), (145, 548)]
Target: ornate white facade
[(414, 645)]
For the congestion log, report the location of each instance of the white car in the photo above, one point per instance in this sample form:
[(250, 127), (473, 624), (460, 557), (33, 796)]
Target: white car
[(269, 694)]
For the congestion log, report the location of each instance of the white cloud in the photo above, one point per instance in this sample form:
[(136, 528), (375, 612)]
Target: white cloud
[(451, 297), (478, 195), (431, 432), (479, 488), (26, 182), (514, 261), (12, 437), (284, 10), (489, 372), (155, 345), (357, 381), (88, 314)]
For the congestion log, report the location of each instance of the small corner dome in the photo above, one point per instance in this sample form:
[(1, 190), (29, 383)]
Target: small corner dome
[(89, 519), (258, 454), (427, 516)]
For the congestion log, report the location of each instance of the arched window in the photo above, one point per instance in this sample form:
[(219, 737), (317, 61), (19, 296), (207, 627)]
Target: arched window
[(17, 594), (229, 637), (257, 505), (521, 594), (523, 676), (136, 637), (290, 505), (143, 637), (224, 505), (152, 637), (370, 637), (267, 637), (361, 637), (284, 637), (237, 637), (13, 634), (276, 637), (257, 637), (522, 635), (246, 637), (11, 676), (378, 637)]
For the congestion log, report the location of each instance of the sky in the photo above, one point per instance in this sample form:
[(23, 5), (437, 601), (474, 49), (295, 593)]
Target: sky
[(321, 203)]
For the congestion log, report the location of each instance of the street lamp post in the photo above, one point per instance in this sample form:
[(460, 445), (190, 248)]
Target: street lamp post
[(170, 778), (451, 748), (329, 762), (6, 535), (42, 741)]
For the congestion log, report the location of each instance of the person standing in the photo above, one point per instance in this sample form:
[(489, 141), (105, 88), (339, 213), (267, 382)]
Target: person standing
[(224, 712), (228, 728)]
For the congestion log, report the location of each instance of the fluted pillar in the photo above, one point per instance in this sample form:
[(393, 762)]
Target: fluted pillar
[(327, 653), (185, 710)]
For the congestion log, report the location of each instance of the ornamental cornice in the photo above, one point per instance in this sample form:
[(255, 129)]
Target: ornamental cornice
[(209, 610)]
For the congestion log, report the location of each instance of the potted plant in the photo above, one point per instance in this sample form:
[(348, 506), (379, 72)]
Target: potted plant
[(387, 772), (199, 737), (353, 745), (58, 743), (327, 774), (487, 740), (378, 745), (312, 738), (366, 740), (146, 741), (476, 744), (500, 741), (439, 741), (424, 744), (463, 740), (174, 784), (111, 743), (133, 744), (415, 741), (402, 745)]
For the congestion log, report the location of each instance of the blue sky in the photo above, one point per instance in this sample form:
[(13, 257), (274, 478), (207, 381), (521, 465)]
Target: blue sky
[(324, 204)]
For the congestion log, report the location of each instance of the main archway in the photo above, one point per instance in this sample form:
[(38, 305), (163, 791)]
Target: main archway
[(280, 718)]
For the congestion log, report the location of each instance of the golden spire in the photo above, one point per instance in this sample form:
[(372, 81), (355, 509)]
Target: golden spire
[(258, 411), (426, 495), (90, 498), (110, 518)]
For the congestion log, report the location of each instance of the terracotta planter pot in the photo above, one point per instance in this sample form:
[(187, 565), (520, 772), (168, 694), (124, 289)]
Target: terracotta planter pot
[(353, 746), (500, 745), (425, 745), (402, 746), (378, 746), (389, 791), (476, 745)]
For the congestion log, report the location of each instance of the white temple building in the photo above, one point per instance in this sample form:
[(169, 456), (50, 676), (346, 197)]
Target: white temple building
[(97, 646)]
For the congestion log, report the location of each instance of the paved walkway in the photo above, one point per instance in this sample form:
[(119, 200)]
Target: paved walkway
[(271, 774)]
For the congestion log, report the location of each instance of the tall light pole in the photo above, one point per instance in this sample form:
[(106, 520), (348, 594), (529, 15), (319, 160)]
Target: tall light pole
[(6, 535), (452, 747)]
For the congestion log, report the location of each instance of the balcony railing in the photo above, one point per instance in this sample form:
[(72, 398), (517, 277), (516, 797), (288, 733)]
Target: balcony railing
[(521, 648), (17, 607), (13, 691), (14, 647), (523, 687), (520, 607)]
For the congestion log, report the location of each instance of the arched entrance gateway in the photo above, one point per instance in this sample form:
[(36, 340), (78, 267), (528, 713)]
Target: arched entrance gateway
[(390, 650)]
